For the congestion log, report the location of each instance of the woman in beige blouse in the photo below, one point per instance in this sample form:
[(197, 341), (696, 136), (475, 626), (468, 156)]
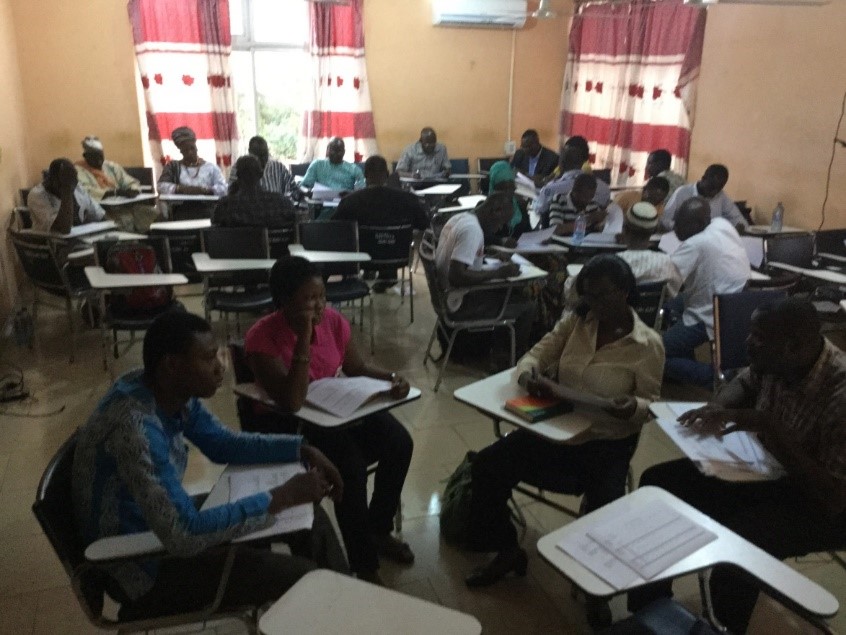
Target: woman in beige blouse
[(600, 357)]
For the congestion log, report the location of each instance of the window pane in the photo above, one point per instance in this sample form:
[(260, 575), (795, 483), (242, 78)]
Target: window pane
[(236, 17), (245, 103), (282, 21), (282, 82)]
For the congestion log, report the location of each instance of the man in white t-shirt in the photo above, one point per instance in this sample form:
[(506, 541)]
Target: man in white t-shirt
[(711, 260), (459, 259)]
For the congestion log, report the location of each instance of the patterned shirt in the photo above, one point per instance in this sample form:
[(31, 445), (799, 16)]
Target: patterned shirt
[(276, 178), (206, 175), (264, 209), (44, 207), (413, 159), (563, 185), (120, 178), (562, 210), (812, 412), (342, 176), (128, 468)]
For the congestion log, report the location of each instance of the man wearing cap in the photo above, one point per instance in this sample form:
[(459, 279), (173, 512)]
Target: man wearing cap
[(105, 179)]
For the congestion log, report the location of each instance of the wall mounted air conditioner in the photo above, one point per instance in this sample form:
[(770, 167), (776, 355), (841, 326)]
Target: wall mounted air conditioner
[(503, 14), (780, 3)]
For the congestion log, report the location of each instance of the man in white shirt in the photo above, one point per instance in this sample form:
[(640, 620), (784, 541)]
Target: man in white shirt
[(459, 259), (711, 260), (710, 187), (59, 203), (574, 154)]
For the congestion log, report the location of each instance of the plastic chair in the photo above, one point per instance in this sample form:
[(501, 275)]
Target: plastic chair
[(449, 326), (279, 238), (41, 260), (182, 244), (236, 292), (53, 507), (390, 247), (791, 249), (143, 174), (336, 235), (460, 166)]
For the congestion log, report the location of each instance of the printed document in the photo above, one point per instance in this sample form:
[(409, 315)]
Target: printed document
[(342, 396), (531, 239)]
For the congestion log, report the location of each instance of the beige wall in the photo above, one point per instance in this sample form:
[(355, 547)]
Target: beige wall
[(456, 80), (12, 151), (770, 93), (78, 69)]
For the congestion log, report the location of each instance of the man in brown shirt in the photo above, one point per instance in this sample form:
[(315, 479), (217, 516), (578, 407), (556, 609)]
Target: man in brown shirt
[(794, 396)]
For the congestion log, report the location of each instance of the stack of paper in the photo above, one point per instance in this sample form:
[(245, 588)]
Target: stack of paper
[(638, 543), (525, 186), (532, 239), (736, 456), (342, 396), (246, 480), (322, 193)]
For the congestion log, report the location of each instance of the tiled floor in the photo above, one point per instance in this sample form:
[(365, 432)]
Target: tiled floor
[(34, 592)]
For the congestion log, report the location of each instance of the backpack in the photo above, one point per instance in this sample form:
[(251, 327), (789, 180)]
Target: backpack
[(136, 257), (455, 503)]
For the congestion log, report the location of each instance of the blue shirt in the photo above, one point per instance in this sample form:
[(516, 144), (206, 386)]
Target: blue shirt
[(128, 468), (342, 176)]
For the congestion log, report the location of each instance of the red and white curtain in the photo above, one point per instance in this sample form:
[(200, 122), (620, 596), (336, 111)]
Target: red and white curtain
[(630, 82), (183, 48), (340, 100)]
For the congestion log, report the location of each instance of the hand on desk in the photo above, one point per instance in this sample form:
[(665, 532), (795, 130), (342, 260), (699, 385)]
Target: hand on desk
[(714, 419), (622, 407), (399, 388), (192, 189), (309, 487), (509, 270)]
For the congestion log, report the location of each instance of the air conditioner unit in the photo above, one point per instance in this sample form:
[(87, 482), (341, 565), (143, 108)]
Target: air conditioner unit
[(503, 14), (780, 3)]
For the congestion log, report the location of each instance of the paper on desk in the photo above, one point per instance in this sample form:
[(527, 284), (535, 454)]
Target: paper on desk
[(530, 239), (322, 193), (594, 557), (651, 537), (91, 228), (342, 396), (442, 189), (246, 480)]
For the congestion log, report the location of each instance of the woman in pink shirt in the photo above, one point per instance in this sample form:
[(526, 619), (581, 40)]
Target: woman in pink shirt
[(305, 340)]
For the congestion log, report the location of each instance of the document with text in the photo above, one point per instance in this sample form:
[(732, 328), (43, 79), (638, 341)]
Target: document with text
[(342, 396), (246, 480)]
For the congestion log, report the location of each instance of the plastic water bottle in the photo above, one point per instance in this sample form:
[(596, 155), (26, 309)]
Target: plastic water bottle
[(580, 229), (778, 218)]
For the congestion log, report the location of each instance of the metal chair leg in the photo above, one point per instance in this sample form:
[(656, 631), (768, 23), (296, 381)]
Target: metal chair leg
[(513, 335), (411, 295), (428, 354), (705, 597), (446, 360), (69, 310), (372, 340)]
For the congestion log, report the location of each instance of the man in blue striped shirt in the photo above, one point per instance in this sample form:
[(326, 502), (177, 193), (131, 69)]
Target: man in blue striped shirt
[(127, 478)]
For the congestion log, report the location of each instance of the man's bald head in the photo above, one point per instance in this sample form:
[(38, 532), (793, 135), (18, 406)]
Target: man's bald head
[(693, 216)]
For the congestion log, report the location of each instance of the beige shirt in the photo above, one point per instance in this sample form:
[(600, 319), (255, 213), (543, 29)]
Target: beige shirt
[(632, 365)]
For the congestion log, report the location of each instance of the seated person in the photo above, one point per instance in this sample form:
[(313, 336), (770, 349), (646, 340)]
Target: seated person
[(710, 187), (424, 159), (459, 259), (275, 176), (379, 205), (248, 205), (127, 478), (648, 265), (710, 260), (602, 355), (533, 159), (501, 179), (191, 175), (333, 172), (793, 396), (564, 209), (654, 192), (658, 164), (102, 178), (574, 154), (59, 202), (302, 341)]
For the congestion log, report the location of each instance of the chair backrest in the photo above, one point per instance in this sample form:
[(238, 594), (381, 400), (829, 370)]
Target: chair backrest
[(387, 246), (332, 235), (279, 238), (23, 217), (459, 166), (427, 256), (732, 320), (650, 301), (181, 245), (831, 241), (485, 166), (143, 174), (791, 249), (603, 175), (37, 254), (236, 242), (299, 169), (53, 507)]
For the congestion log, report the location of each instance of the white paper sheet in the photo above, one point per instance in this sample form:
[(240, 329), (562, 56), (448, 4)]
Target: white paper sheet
[(342, 396), (436, 190), (598, 560), (650, 538), (246, 480), (91, 228), (322, 193), (531, 239)]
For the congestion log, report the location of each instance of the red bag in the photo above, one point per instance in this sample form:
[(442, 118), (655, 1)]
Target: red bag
[(137, 257)]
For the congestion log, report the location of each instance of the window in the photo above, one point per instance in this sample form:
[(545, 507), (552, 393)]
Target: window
[(270, 71)]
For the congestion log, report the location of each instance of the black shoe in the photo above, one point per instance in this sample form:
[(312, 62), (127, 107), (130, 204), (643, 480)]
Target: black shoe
[(504, 563)]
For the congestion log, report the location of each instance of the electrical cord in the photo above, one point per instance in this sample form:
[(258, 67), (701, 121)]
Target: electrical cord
[(834, 145)]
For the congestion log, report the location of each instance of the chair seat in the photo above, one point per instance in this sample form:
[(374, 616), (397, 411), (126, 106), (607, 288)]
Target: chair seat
[(137, 320), (346, 290), (240, 301)]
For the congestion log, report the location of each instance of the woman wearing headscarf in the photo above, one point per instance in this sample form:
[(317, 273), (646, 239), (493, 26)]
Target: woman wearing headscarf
[(501, 178), (191, 175)]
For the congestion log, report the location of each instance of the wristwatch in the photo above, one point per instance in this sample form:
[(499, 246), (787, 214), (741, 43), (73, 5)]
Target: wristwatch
[(393, 377)]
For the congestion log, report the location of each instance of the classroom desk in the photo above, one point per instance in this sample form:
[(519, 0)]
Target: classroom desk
[(532, 250), (189, 198), (466, 176), (326, 257), (99, 279), (89, 228), (834, 257), (489, 395), (118, 235), (182, 225), (574, 269), (321, 418), (465, 204), (118, 201), (728, 548), (818, 274), (600, 242), (766, 230), (329, 603), (206, 265), (443, 189)]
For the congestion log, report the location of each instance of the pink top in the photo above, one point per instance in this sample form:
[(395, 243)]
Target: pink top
[(273, 336)]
